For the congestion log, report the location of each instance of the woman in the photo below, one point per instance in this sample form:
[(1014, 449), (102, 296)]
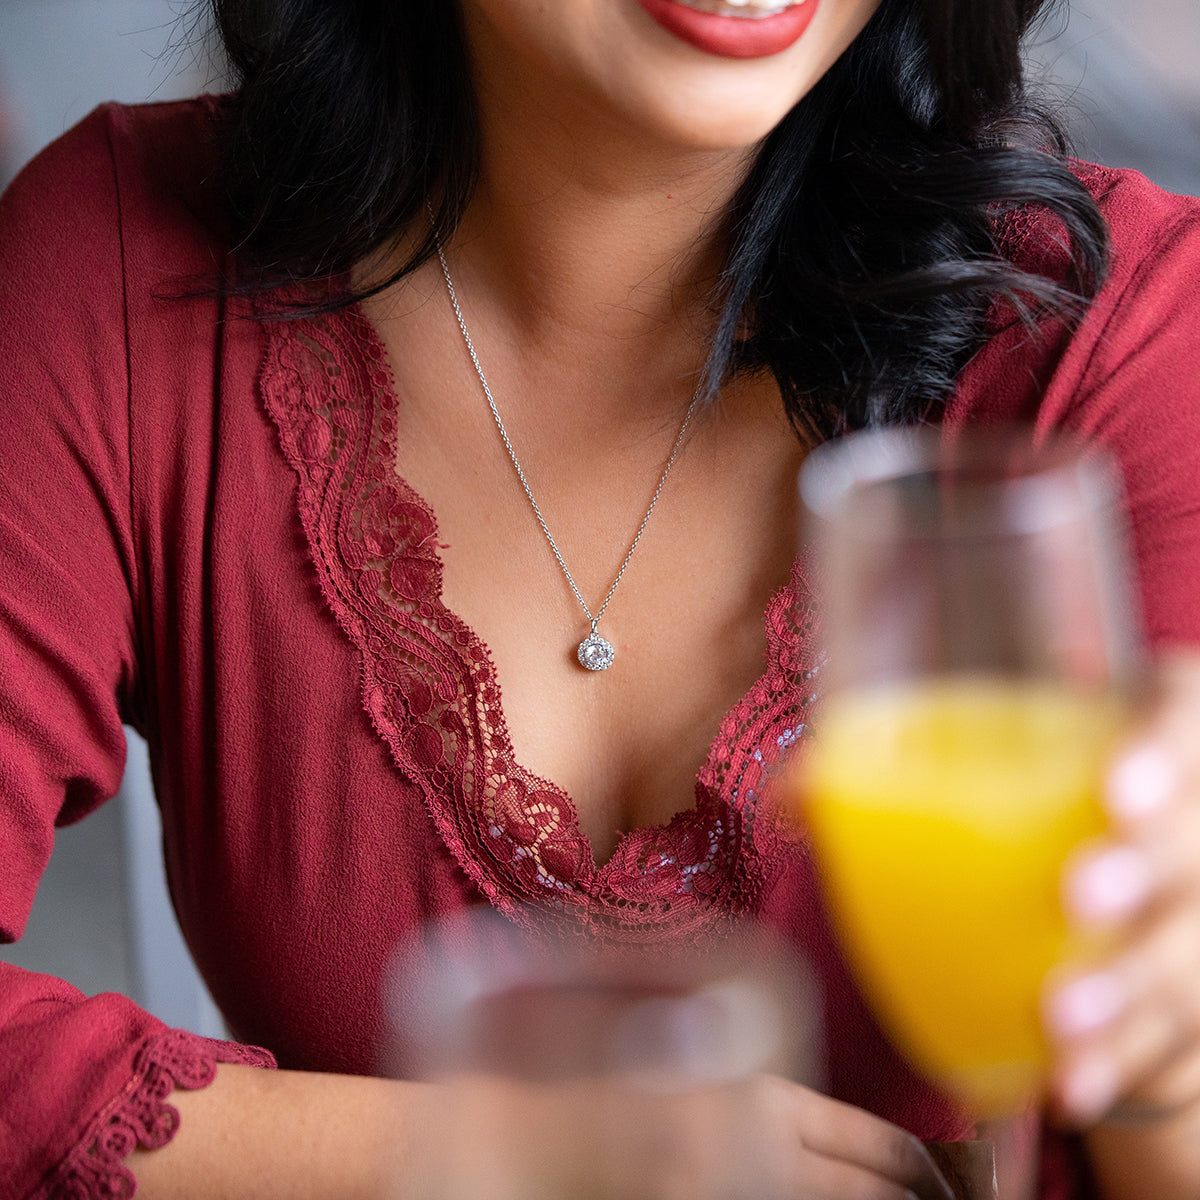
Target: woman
[(659, 219)]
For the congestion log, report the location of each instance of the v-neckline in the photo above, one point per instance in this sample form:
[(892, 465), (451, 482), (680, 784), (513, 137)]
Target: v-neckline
[(377, 346), (330, 386)]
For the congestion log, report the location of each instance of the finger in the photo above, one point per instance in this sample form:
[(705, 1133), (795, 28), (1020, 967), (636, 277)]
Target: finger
[(1086, 1090), (842, 1133), (1158, 966), (1106, 883), (1160, 758), (1109, 881), (1152, 794), (1173, 1095), (1130, 1029)]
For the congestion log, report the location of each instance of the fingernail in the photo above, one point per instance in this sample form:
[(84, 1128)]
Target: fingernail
[(1108, 885), (1085, 1005), (1142, 782), (1089, 1088)]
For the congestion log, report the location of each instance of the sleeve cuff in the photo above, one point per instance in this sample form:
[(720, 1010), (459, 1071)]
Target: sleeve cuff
[(140, 1114)]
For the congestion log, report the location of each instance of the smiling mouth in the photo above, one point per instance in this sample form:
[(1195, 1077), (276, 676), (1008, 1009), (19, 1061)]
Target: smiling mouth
[(752, 9)]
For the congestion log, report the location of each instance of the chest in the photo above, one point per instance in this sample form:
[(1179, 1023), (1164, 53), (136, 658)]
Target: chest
[(686, 619), (351, 753)]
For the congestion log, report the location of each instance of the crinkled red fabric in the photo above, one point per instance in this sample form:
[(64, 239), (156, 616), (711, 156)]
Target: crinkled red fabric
[(201, 532)]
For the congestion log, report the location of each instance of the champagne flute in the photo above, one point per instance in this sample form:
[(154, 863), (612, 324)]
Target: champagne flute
[(979, 649)]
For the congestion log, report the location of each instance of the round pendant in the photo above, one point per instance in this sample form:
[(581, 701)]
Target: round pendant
[(595, 653)]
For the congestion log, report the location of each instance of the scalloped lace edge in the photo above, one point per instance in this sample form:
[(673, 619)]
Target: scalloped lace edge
[(327, 385), (139, 1115)]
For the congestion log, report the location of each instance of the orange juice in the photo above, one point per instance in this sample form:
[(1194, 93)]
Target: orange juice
[(942, 813)]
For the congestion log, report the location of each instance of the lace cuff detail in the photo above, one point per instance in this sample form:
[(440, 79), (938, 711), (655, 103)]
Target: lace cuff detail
[(140, 1115)]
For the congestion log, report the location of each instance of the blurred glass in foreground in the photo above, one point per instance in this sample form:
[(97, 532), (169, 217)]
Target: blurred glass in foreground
[(591, 1059)]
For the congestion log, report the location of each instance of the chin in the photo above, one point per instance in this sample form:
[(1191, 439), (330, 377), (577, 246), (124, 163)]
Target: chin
[(714, 118), (701, 105), (628, 61)]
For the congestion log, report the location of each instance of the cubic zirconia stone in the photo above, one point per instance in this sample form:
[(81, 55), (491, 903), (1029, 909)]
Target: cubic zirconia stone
[(595, 653)]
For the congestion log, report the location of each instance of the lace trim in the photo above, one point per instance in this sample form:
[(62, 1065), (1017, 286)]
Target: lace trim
[(430, 688), (140, 1115)]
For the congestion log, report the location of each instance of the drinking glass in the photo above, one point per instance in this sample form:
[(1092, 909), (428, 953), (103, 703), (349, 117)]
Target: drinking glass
[(979, 650), (598, 1039)]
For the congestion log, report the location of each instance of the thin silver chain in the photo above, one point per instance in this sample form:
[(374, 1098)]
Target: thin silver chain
[(512, 454)]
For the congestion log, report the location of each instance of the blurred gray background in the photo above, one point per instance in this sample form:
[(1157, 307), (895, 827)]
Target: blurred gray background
[(1127, 72)]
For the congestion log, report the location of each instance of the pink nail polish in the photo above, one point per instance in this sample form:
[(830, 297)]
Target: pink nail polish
[(1110, 885), (1086, 1004), (1142, 782)]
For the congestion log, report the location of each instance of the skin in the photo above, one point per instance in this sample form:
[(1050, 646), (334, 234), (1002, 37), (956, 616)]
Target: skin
[(609, 148), (1127, 1029)]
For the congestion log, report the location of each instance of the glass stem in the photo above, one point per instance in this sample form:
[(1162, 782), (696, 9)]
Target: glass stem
[(1017, 1141)]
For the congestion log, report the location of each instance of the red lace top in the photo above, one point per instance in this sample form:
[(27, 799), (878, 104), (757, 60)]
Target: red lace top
[(201, 533)]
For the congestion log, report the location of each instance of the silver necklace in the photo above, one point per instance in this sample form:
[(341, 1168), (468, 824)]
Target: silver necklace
[(594, 653)]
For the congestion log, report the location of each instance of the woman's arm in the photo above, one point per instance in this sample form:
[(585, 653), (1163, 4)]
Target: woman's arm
[(259, 1135), (82, 1080)]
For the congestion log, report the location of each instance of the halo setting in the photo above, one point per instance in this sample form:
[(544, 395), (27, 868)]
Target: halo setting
[(595, 653)]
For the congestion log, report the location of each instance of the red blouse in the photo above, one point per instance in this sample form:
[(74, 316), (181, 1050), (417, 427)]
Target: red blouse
[(201, 533)]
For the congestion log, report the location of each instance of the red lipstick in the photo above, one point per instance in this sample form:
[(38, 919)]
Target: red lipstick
[(733, 37)]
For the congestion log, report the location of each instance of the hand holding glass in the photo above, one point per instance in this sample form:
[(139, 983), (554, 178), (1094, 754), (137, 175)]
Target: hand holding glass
[(978, 644)]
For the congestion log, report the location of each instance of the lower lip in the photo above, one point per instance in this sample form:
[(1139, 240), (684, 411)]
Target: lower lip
[(733, 37)]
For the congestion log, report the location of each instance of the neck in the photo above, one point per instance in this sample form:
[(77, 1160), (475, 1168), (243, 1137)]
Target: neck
[(587, 244), (567, 243)]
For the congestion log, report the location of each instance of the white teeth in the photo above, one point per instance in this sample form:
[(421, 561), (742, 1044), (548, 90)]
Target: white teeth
[(743, 8)]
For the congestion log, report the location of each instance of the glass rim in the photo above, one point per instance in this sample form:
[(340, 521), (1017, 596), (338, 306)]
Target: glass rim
[(1043, 482)]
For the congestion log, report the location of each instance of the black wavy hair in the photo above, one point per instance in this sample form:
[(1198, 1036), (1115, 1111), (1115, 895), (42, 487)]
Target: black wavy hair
[(865, 247)]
